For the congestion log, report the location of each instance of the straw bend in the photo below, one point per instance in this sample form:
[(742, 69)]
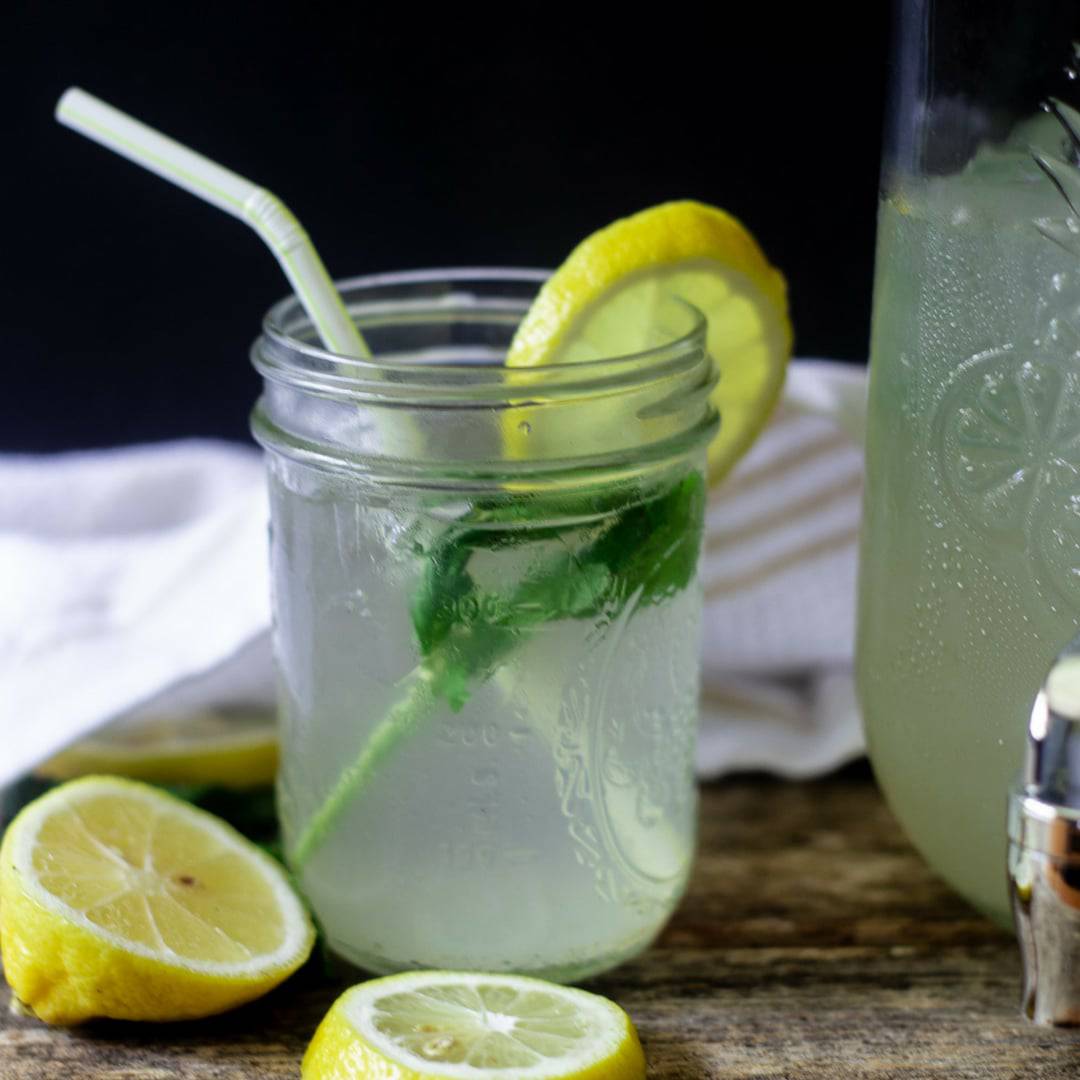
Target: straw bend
[(274, 221), (229, 191)]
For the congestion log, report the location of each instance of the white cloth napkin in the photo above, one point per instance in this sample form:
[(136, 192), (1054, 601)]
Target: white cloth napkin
[(136, 579), (779, 575)]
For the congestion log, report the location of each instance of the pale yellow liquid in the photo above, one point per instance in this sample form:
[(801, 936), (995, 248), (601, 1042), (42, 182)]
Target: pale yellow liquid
[(546, 826), (970, 576)]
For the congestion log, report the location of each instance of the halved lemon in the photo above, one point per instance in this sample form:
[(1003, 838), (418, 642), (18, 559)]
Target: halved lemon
[(119, 900), (604, 300), (435, 1024), (232, 749)]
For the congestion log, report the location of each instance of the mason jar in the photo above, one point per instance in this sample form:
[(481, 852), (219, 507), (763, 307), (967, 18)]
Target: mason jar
[(486, 625)]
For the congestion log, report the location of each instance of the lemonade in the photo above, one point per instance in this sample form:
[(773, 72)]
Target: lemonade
[(970, 579), (485, 536), (545, 823), (488, 661)]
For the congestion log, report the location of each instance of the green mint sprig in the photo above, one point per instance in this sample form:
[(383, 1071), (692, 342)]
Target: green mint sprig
[(647, 551)]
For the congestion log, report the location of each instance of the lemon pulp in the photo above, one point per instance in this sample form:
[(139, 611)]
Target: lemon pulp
[(119, 900), (470, 1026)]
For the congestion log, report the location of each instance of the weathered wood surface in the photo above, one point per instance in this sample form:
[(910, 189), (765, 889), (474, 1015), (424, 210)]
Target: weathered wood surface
[(812, 943)]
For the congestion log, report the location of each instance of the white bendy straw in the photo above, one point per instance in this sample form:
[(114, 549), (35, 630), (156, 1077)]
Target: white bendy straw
[(261, 209)]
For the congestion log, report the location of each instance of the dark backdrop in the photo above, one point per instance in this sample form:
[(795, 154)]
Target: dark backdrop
[(400, 140)]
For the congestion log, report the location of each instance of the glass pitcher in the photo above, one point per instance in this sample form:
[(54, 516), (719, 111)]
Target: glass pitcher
[(970, 566)]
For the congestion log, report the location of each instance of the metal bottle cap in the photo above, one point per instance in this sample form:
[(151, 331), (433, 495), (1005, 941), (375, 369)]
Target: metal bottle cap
[(1044, 848)]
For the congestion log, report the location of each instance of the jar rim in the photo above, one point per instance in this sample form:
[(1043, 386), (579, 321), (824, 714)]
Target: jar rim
[(281, 354)]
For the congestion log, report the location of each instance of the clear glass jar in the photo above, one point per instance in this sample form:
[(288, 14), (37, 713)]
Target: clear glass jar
[(487, 623), (970, 575)]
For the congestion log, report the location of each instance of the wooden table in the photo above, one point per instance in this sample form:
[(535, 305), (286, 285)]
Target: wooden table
[(813, 943)]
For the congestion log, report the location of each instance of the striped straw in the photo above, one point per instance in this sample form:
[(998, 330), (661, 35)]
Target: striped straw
[(221, 187)]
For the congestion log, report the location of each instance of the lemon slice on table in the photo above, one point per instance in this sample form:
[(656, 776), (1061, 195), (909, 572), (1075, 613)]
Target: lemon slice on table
[(603, 302), (230, 749), (119, 900), (427, 1024)]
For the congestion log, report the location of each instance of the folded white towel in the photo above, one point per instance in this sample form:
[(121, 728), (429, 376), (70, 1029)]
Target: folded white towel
[(125, 574), (137, 579), (779, 576)]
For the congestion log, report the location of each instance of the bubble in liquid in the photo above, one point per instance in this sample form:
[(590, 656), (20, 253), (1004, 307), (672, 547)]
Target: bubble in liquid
[(525, 427)]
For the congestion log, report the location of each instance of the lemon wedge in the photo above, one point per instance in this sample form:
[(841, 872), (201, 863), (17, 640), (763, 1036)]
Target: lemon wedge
[(603, 302), (428, 1024), (230, 749), (118, 900)]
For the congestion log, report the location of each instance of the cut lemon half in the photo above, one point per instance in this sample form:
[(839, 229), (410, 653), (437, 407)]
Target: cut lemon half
[(230, 749), (604, 300), (427, 1024), (119, 900)]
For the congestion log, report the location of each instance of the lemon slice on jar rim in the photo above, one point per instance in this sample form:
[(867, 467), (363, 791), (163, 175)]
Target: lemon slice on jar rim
[(604, 300)]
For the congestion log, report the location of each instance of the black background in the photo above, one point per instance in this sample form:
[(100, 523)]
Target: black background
[(400, 139)]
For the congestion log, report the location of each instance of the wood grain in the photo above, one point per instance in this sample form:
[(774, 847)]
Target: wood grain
[(813, 943)]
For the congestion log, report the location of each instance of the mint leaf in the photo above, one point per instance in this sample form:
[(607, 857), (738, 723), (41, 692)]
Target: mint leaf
[(654, 545), (649, 548), (444, 586)]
